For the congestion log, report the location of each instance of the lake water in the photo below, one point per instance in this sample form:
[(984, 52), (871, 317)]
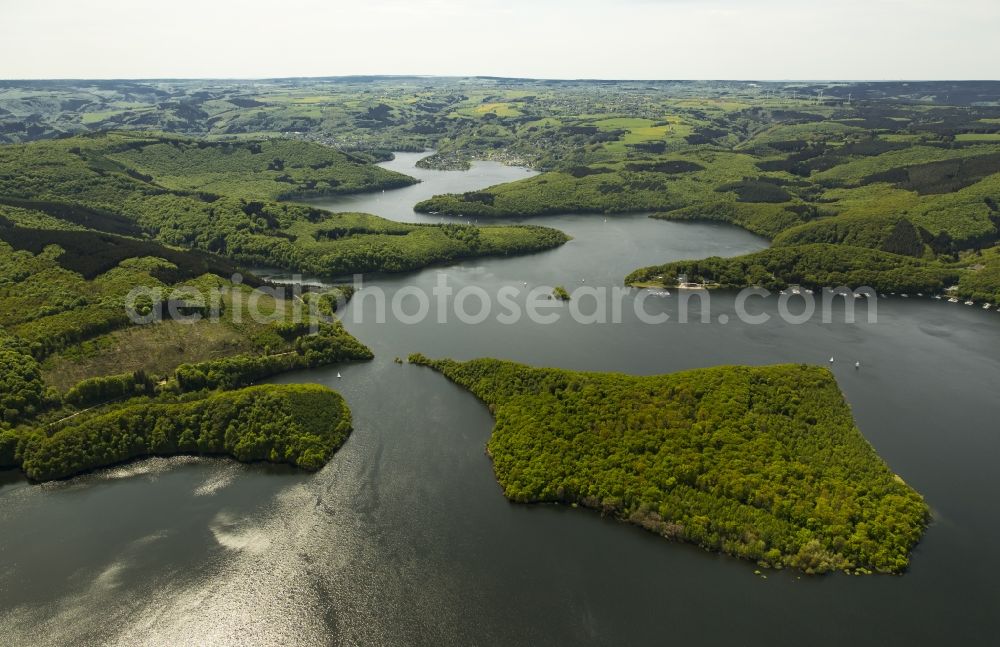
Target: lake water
[(405, 538)]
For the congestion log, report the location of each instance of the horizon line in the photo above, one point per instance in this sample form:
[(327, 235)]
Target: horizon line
[(494, 78)]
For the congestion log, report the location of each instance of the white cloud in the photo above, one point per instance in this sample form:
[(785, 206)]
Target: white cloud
[(555, 38)]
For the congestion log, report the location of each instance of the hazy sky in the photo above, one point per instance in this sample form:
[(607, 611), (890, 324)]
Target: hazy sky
[(640, 39)]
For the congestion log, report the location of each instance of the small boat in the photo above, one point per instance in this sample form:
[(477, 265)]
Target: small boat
[(857, 365), (953, 300), (808, 291), (831, 360), (338, 375), (937, 297), (905, 296), (987, 306), (920, 294), (783, 293), (970, 302)]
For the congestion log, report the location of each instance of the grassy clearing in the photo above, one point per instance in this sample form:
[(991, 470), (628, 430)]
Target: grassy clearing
[(498, 109), (978, 137)]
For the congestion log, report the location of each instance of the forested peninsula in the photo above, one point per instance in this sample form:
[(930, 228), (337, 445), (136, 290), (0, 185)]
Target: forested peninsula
[(302, 425), (211, 407), (762, 463)]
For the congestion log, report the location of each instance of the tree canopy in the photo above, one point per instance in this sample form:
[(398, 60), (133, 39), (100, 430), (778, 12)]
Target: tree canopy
[(301, 425), (763, 463)]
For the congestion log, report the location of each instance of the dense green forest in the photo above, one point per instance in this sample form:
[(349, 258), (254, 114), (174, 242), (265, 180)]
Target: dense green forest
[(82, 387), (221, 198), (762, 463), (815, 265), (22, 391), (912, 169), (107, 419), (301, 425)]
